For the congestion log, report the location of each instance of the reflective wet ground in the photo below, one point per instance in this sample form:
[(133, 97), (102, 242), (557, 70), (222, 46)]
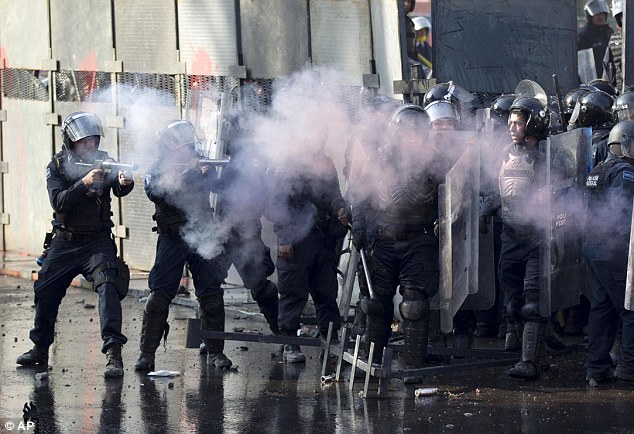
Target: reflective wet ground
[(266, 395)]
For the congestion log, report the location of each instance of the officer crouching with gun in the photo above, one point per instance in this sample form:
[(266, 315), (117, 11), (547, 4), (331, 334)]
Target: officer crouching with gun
[(82, 241)]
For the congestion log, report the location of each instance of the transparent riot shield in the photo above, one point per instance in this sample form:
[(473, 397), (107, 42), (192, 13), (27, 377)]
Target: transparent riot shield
[(458, 211), (629, 282), (568, 160), (585, 65), (208, 111)]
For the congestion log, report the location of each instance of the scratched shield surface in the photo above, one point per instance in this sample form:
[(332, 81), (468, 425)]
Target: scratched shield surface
[(563, 271), (490, 45)]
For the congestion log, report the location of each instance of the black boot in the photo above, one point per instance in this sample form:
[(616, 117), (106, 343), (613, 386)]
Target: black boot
[(154, 328), (35, 356), (212, 316), (114, 367), (415, 347), (377, 330), (528, 368)]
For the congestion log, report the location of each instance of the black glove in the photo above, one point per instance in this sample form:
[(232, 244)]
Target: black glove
[(484, 224), (359, 241)]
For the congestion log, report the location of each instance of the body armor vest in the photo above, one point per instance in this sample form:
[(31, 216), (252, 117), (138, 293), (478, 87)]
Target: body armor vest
[(414, 203), (516, 179), (169, 219), (91, 215)]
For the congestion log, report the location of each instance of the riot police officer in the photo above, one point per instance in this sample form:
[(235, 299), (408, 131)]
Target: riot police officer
[(82, 241), (310, 219), (405, 247), (519, 179), (610, 186), (594, 109), (180, 187), (241, 201), (596, 32), (624, 107)]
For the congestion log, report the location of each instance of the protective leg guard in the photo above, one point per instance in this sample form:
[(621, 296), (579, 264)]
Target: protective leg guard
[(268, 301), (512, 340), (415, 312), (154, 328), (212, 316), (528, 368), (377, 330)]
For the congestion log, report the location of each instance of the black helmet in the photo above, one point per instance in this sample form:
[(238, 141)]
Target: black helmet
[(595, 110), (501, 108), (437, 92), (78, 125), (409, 116), (571, 98), (603, 85), (176, 134), (538, 116), (594, 7), (615, 139), (624, 107)]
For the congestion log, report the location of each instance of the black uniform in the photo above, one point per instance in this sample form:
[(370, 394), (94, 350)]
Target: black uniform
[(189, 206), (241, 201), (597, 38), (611, 189), (82, 244), (521, 175), (404, 254), (303, 208)]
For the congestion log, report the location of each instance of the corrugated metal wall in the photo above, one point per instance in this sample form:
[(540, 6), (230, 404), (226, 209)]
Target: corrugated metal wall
[(75, 50)]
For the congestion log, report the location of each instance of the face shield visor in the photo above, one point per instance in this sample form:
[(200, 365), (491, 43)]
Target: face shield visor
[(79, 125)]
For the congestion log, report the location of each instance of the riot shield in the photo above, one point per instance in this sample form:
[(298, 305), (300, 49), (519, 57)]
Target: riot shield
[(207, 110), (458, 210), (629, 282), (568, 160), (585, 65)]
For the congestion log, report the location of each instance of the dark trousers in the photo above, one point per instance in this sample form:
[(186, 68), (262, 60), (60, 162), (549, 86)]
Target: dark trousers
[(606, 278), (492, 316), (519, 268), (411, 264), (171, 255), (251, 257), (65, 261), (311, 271)]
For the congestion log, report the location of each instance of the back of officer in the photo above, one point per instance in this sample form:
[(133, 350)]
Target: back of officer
[(82, 241), (611, 187), (180, 189)]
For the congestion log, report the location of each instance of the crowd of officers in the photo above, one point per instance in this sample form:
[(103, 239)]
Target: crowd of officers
[(391, 207)]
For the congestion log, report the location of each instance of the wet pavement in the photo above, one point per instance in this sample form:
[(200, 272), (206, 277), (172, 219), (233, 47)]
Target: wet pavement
[(264, 394)]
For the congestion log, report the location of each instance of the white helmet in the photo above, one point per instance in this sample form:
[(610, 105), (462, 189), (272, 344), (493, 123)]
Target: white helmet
[(421, 23)]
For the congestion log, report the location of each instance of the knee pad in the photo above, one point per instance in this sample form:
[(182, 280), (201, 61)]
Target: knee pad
[(371, 306), (530, 312), (266, 291), (513, 309), (212, 304), (415, 305), (158, 302)]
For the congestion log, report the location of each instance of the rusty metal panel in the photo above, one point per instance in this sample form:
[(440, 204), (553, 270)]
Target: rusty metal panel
[(24, 33), (24, 137), (145, 36), (341, 36), (386, 44), (81, 34), (489, 45), (274, 35), (208, 36)]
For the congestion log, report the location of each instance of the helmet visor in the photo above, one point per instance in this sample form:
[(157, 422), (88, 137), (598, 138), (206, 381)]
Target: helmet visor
[(179, 134), (83, 125)]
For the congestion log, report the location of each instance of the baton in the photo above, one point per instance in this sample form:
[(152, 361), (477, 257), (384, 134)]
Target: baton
[(366, 272)]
